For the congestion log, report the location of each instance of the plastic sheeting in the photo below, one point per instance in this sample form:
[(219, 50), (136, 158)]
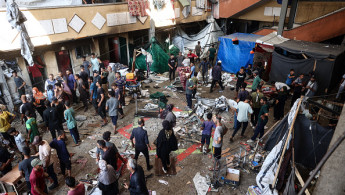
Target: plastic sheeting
[(206, 36), (234, 56)]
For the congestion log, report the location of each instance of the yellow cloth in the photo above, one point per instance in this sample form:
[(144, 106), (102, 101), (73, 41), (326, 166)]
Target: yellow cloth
[(4, 121)]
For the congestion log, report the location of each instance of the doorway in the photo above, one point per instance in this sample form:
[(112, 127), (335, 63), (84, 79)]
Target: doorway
[(64, 61), (118, 50)]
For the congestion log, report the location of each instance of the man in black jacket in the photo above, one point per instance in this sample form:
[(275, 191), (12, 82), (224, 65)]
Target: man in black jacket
[(50, 118), (137, 185)]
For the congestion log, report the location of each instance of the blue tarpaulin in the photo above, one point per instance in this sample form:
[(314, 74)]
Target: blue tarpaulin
[(233, 56)]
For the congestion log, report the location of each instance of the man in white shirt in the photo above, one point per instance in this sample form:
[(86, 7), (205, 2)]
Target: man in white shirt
[(186, 62), (94, 63), (149, 61), (242, 117), (311, 87), (44, 153), (18, 138)]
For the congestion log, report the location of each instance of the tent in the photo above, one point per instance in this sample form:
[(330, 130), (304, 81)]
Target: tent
[(234, 56), (267, 42), (159, 56), (326, 60), (207, 36)]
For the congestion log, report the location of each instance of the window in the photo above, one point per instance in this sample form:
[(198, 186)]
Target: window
[(81, 51)]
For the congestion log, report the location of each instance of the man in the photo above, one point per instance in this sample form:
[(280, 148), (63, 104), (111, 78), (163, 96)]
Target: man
[(170, 116), (192, 69), (298, 86), (50, 119), (341, 87), (137, 182), (217, 76), (69, 115), (101, 103), (241, 75), (141, 142), (172, 67), (211, 54), (148, 60), (37, 176), (82, 91), (59, 107), (111, 76), (263, 118), (204, 66), (190, 86), (311, 87), (242, 117), (72, 84), (25, 167), (84, 76), (256, 98), (107, 179), (87, 66), (5, 160), (180, 59), (191, 56), (60, 92), (106, 139), (116, 90), (112, 105), (26, 107), (32, 129), (110, 154), (290, 78), (121, 84), (50, 81), (195, 81), (93, 94), (244, 94), (217, 142), (104, 79), (198, 50), (62, 153), (74, 189), (18, 138), (256, 81), (206, 128), (44, 153), (20, 83), (94, 63)]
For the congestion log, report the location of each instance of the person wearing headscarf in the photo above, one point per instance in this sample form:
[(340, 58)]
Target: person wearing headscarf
[(166, 142), (38, 100), (170, 115), (107, 181)]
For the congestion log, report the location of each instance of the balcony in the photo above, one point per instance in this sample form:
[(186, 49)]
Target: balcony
[(49, 25)]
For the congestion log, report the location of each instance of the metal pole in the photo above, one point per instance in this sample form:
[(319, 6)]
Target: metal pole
[(282, 17), (293, 10)]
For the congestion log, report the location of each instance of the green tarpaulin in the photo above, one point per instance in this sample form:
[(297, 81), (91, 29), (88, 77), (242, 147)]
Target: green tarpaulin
[(160, 59)]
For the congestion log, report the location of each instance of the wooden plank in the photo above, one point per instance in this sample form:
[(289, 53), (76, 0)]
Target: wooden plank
[(301, 180), (12, 177)]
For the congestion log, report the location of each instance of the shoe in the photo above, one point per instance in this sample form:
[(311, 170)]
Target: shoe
[(250, 141), (165, 171), (265, 127), (221, 91), (52, 187), (149, 168), (251, 124), (231, 139), (85, 109)]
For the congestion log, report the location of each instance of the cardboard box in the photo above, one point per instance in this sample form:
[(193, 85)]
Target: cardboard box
[(232, 177)]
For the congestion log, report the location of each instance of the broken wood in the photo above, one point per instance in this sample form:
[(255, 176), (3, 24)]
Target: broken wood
[(299, 177)]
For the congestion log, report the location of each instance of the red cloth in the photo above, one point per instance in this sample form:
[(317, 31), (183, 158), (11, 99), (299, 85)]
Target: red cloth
[(37, 179), (79, 190), (138, 7), (35, 70)]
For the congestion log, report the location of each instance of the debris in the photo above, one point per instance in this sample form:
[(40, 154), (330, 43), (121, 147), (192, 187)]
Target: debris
[(188, 182), (150, 106), (80, 124), (253, 190), (93, 152), (80, 118), (82, 161), (232, 177), (200, 184), (163, 182)]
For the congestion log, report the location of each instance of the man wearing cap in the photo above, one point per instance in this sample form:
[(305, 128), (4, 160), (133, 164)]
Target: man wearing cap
[(44, 152), (256, 81), (190, 86), (217, 76), (38, 185), (263, 118), (20, 83)]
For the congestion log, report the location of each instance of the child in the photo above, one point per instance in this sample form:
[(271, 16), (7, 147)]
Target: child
[(111, 106), (50, 93), (290, 78), (71, 123), (206, 128)]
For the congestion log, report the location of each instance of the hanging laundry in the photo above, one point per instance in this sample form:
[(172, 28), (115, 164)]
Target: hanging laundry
[(138, 7), (159, 4), (185, 3), (186, 10), (201, 4)]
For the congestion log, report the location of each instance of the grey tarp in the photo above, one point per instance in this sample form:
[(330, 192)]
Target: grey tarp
[(16, 18), (290, 184), (311, 140)]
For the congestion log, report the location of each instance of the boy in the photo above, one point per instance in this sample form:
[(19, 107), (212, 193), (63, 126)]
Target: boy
[(111, 106), (71, 123), (290, 78), (74, 189), (31, 127), (206, 128)]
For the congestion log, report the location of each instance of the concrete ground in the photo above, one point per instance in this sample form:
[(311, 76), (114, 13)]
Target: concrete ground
[(182, 182)]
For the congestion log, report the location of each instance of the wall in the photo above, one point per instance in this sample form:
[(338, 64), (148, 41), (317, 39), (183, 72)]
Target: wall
[(87, 13), (228, 8)]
